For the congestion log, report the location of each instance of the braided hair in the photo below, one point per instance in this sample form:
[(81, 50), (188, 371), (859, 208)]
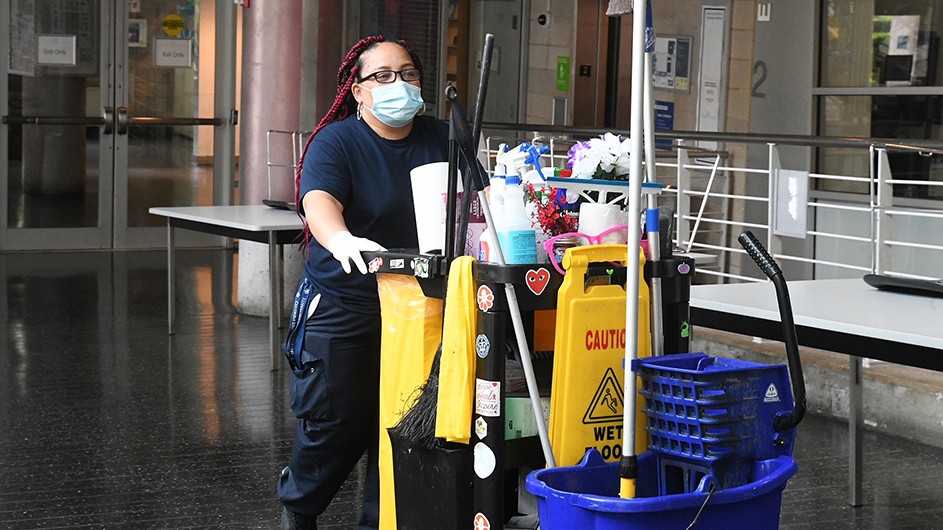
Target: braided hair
[(344, 104)]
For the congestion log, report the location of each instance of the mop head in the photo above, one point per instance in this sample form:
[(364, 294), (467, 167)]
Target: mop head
[(619, 7), (418, 424)]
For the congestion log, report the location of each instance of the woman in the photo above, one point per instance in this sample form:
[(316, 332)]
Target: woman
[(354, 193)]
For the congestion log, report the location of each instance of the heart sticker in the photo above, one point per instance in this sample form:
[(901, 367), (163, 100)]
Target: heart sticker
[(609, 271), (537, 280)]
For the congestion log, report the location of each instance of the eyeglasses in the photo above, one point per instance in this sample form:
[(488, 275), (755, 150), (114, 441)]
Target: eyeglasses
[(388, 76), (557, 258)]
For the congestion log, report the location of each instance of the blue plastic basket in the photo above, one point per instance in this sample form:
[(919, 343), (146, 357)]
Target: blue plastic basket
[(709, 415), (586, 496)]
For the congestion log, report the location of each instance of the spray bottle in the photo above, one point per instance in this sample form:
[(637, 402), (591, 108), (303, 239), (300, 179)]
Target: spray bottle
[(515, 232), (536, 176), (506, 161), (496, 202)]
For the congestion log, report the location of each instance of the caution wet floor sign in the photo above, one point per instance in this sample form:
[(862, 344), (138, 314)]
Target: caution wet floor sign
[(587, 402)]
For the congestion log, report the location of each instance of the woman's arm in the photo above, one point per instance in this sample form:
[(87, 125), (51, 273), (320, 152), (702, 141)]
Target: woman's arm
[(324, 215)]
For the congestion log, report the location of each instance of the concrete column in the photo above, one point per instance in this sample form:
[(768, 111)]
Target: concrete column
[(271, 84), (271, 81)]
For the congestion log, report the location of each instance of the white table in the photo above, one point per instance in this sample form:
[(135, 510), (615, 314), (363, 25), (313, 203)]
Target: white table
[(845, 316), (258, 223)]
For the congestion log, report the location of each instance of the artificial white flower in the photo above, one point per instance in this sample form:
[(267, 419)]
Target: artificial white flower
[(607, 155)]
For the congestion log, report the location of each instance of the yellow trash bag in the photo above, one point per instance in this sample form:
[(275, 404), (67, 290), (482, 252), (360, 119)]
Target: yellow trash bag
[(412, 331)]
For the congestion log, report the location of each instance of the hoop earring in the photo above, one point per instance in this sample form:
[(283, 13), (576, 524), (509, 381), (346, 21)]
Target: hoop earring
[(359, 105)]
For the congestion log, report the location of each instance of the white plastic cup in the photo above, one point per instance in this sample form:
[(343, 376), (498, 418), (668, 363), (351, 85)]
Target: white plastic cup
[(430, 199)]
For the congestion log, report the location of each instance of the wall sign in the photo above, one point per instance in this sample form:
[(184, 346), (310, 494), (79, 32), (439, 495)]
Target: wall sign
[(563, 73), (713, 61), (791, 203), (672, 63), (172, 24), (173, 53), (664, 121), (58, 50)]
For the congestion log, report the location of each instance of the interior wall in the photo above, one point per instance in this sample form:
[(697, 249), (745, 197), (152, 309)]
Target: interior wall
[(504, 20), (547, 43), (781, 102), (589, 79), (680, 18)]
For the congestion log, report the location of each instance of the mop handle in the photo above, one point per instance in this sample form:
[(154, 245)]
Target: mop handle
[(477, 113), (654, 251), (783, 420), (511, 294), (628, 464)]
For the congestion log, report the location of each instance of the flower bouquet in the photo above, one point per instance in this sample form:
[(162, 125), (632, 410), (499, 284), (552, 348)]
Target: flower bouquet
[(546, 205), (605, 158)]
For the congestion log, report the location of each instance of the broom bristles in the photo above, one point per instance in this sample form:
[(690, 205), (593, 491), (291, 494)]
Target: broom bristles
[(418, 423), (619, 7)]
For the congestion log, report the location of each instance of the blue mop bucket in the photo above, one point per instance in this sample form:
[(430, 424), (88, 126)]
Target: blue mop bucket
[(707, 415), (586, 496)]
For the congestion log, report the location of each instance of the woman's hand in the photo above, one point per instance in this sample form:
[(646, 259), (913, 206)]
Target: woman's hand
[(346, 248), (325, 217)]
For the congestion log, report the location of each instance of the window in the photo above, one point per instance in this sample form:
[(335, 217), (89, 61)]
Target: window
[(880, 78)]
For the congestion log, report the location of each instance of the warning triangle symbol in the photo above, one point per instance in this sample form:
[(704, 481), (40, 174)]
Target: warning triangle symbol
[(771, 394), (606, 405)]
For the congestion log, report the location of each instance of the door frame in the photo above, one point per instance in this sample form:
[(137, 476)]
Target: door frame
[(111, 230), (80, 238)]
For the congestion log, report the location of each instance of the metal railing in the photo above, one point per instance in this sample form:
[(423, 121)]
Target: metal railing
[(283, 154), (846, 234)]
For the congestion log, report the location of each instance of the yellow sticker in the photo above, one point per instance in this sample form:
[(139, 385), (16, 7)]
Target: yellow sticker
[(172, 24)]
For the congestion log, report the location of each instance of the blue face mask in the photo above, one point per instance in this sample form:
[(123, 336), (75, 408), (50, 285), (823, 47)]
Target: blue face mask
[(396, 104)]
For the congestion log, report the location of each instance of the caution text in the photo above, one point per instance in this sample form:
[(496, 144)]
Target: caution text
[(604, 339)]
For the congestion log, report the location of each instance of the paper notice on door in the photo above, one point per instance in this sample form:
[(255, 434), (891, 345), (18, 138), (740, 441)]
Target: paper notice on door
[(173, 53), (58, 50)]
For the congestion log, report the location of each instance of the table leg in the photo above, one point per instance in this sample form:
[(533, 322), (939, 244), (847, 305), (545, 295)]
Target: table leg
[(855, 428), (170, 278), (280, 284), (274, 298)]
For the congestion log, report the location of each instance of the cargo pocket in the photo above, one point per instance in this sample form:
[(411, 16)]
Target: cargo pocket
[(310, 399)]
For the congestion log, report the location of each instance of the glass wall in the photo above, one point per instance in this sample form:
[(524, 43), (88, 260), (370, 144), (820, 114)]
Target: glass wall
[(880, 78)]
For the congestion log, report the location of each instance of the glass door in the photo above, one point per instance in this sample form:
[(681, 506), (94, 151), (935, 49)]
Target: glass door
[(108, 111)]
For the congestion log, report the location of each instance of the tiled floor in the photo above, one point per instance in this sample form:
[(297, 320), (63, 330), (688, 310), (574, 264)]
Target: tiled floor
[(108, 422)]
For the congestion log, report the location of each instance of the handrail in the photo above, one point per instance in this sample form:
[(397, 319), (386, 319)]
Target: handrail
[(893, 144), (833, 249)]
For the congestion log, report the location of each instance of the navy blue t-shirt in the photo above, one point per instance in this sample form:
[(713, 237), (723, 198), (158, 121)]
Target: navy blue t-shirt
[(369, 176)]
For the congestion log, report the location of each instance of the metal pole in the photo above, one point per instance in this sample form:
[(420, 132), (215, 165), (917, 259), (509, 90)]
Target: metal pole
[(629, 463)]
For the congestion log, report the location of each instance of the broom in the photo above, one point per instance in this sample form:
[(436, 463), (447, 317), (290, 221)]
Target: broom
[(418, 424)]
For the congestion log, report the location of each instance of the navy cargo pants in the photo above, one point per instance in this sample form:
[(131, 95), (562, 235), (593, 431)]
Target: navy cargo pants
[(335, 396)]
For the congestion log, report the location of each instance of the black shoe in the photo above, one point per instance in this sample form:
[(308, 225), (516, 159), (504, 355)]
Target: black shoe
[(297, 521)]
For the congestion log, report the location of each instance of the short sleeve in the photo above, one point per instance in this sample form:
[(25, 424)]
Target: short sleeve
[(325, 167)]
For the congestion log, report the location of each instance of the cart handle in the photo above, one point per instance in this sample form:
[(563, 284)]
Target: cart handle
[(783, 420)]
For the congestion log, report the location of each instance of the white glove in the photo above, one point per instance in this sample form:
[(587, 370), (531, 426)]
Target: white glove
[(345, 247)]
